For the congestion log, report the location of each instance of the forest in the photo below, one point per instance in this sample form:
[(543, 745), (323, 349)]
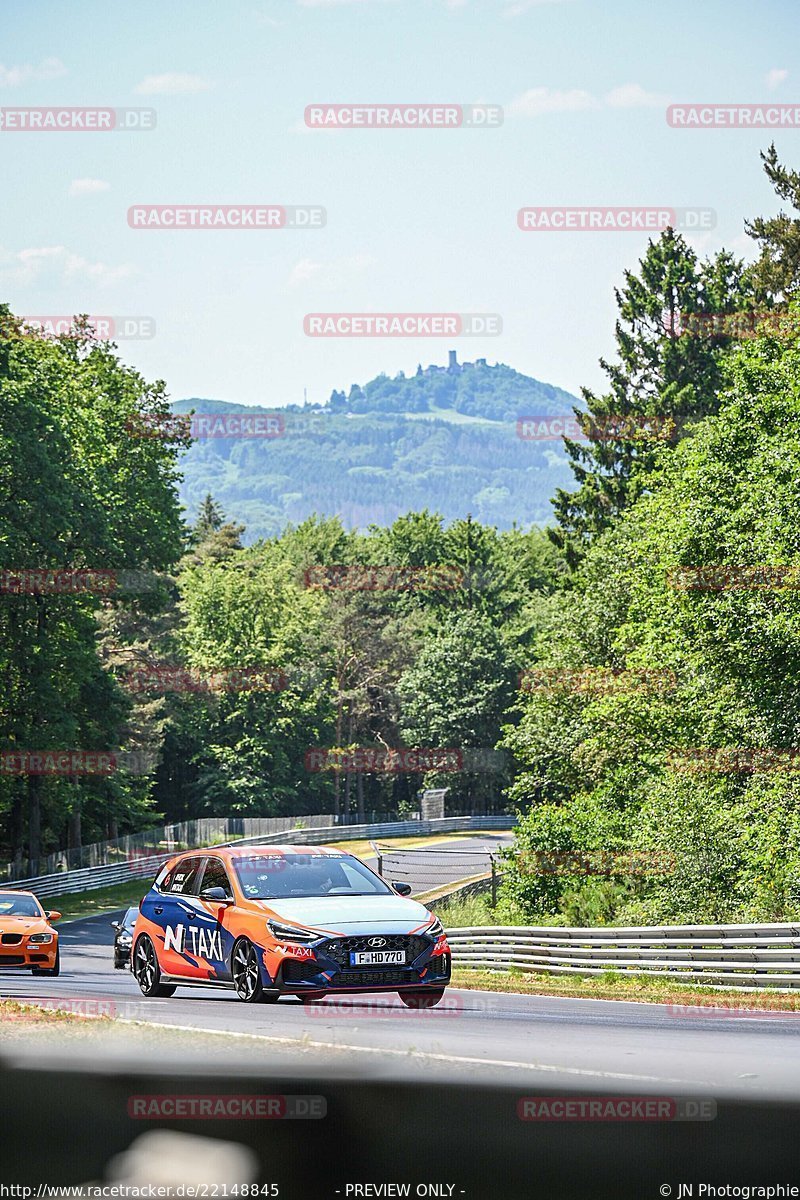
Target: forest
[(623, 673)]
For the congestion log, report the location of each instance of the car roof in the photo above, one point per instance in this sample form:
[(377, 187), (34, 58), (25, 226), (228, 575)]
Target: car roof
[(17, 892), (236, 851)]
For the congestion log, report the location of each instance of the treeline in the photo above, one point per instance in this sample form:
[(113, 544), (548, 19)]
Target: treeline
[(275, 679), (658, 738)]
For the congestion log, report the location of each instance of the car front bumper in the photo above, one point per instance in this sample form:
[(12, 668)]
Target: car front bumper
[(24, 957)]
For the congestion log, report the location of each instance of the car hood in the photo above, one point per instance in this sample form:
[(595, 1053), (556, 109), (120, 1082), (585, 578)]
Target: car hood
[(23, 925), (351, 914)]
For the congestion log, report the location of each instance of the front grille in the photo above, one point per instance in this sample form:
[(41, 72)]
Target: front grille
[(299, 972), (11, 939), (385, 975), (11, 960), (340, 949)]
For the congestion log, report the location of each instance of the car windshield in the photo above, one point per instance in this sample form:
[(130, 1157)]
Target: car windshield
[(129, 920), (18, 906), (278, 876)]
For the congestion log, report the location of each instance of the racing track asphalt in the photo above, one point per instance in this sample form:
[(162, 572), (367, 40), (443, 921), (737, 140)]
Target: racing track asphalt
[(547, 1041)]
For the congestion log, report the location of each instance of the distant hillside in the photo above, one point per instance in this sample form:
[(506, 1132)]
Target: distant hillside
[(444, 439)]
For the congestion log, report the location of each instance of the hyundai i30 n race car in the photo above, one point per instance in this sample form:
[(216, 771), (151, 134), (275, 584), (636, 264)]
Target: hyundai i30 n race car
[(296, 920), (27, 939)]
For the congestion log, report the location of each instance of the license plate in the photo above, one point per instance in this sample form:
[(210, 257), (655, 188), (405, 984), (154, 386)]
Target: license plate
[(372, 958)]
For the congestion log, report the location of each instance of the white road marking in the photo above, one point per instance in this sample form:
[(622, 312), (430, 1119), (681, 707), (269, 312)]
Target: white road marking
[(308, 1044)]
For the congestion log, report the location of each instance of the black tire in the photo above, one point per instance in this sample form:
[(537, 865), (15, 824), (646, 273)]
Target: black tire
[(51, 971), (428, 998), (246, 974), (146, 970), (119, 963)]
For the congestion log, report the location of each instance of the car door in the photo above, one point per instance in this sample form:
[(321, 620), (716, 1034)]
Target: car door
[(214, 936), (176, 910)]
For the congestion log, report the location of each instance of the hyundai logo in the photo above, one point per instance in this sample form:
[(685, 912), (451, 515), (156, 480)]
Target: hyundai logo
[(375, 942)]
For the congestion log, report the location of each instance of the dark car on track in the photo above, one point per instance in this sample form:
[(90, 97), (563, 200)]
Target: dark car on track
[(123, 938)]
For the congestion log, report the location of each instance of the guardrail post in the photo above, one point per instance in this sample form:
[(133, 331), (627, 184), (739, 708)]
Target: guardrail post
[(494, 884)]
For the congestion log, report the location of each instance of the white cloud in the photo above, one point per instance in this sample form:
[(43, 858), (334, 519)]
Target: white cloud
[(48, 68), (540, 100), (173, 83), (88, 187), (328, 276), (537, 101), (775, 77), (23, 267), (633, 95)]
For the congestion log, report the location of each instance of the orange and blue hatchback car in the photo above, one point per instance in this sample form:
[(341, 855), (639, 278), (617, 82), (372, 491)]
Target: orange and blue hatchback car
[(269, 921), (27, 940)]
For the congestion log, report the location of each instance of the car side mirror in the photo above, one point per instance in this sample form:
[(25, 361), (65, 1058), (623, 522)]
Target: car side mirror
[(52, 915), (402, 889), (216, 894), (115, 925)]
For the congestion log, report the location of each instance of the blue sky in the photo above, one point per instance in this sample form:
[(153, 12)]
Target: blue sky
[(417, 220)]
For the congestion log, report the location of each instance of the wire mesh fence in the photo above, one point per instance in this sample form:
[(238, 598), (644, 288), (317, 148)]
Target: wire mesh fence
[(428, 869)]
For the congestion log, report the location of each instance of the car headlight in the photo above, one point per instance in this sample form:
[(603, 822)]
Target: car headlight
[(38, 938), (124, 939), (290, 933), (436, 929)]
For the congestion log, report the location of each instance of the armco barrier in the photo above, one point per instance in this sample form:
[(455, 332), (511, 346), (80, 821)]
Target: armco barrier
[(736, 955), (65, 883)]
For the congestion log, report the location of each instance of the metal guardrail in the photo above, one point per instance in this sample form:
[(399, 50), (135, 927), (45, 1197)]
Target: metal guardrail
[(736, 955), (65, 883)]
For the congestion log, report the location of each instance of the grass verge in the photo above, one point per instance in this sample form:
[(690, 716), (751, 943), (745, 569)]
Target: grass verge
[(36, 1014), (99, 900), (612, 986)]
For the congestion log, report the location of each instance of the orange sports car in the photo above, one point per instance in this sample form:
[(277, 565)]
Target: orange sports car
[(27, 939), (274, 920)]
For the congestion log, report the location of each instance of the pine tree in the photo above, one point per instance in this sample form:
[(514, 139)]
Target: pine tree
[(210, 518), (776, 273), (666, 376)]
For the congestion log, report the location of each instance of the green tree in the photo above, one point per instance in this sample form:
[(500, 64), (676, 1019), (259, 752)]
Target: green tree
[(455, 696), (661, 382)]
